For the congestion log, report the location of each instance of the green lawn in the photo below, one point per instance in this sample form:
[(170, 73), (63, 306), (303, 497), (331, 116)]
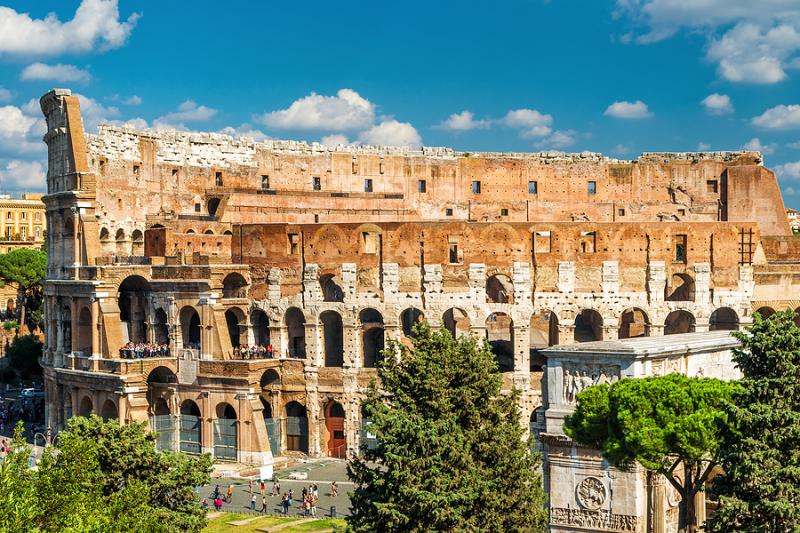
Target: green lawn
[(221, 525)]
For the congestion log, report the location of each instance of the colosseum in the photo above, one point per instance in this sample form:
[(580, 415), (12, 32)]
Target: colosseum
[(236, 295)]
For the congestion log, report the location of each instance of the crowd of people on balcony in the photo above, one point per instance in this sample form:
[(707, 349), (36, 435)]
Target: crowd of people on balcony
[(142, 350), (253, 351)]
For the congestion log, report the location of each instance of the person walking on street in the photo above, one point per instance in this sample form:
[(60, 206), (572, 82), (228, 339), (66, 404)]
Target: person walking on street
[(285, 504), (263, 502), (334, 489), (253, 502), (229, 495), (218, 503)]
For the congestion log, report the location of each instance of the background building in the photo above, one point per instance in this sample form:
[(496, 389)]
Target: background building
[(22, 222)]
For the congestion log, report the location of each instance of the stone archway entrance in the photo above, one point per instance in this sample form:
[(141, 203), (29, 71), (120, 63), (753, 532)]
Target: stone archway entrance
[(336, 442)]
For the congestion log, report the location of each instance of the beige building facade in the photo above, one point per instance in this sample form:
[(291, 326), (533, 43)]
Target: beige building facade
[(23, 223), (317, 257)]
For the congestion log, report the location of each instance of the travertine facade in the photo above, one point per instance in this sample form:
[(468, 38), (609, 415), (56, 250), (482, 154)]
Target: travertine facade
[(22, 222), (206, 243)]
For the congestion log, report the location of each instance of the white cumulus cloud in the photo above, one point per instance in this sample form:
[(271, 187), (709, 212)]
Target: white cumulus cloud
[(780, 117), (751, 41), (21, 132), (5, 95), (19, 175), (391, 133), (703, 147), (188, 111), (347, 111), (133, 100), (756, 145), (789, 170), (95, 26), (62, 73), (332, 141), (463, 121), (717, 104), (628, 110), (558, 140), (530, 122)]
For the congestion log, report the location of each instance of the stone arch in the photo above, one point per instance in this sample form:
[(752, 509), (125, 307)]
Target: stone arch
[(227, 232), (190, 231), (332, 338), (137, 242), (296, 332), (335, 441), (85, 407), (133, 298), (225, 433), (723, 318), (121, 244), (190, 327), (588, 326), (159, 407), (765, 312), (296, 427), (107, 245), (270, 380), (331, 288), (85, 331), (260, 322), (235, 320), (680, 289), (161, 327), (543, 333), (109, 410), (679, 321), (234, 286), (161, 375), (208, 231), (329, 241), (500, 334), (408, 318), (634, 322), (191, 428), (499, 289), (104, 234), (457, 322), (372, 336)]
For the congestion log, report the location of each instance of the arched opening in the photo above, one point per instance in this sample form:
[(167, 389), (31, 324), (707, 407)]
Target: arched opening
[(162, 422), (680, 289), (331, 288), (85, 408), (336, 443), (765, 312), (543, 333), (234, 319), (270, 380), (225, 433), (109, 410), (296, 427), (679, 322), (273, 427), (499, 290), (121, 248), (190, 433), (533, 428), (66, 328), (234, 286), (260, 323), (213, 205), (137, 242), (85, 331), (456, 322), (634, 323), (500, 334), (332, 338), (160, 327), (107, 245), (209, 231), (723, 318), (372, 341), (588, 326), (161, 375), (296, 332), (68, 238), (408, 318), (133, 298), (190, 327)]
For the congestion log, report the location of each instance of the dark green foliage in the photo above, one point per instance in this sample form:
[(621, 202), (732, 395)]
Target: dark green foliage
[(23, 355), (104, 477), (760, 455), (451, 454), (659, 422), (25, 268)]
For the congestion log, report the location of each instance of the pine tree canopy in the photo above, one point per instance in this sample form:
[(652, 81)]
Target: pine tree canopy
[(450, 453), (759, 490)]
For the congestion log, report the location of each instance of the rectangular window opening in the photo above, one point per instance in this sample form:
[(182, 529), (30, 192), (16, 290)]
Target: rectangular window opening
[(503, 212), (680, 248), (421, 186), (448, 212), (621, 212), (294, 244), (592, 187), (367, 185), (476, 187), (265, 182), (712, 186), (533, 187), (316, 184)]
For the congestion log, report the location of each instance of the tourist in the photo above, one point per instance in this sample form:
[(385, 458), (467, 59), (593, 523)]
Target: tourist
[(218, 504), (263, 502), (276, 488), (315, 490), (253, 502), (313, 505), (334, 489), (229, 494), (285, 504)]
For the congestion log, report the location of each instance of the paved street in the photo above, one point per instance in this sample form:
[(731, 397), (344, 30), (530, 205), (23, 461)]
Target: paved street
[(321, 472)]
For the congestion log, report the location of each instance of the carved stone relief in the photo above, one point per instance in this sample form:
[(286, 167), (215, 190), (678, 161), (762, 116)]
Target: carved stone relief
[(578, 377)]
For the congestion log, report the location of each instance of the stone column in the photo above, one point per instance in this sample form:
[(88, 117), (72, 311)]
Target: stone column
[(74, 323), (96, 328), (656, 281), (611, 332)]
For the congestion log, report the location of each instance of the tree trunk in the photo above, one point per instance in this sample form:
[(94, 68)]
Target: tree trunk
[(688, 502), (23, 328)]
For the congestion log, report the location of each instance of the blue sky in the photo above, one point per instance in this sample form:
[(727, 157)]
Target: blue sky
[(613, 76)]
